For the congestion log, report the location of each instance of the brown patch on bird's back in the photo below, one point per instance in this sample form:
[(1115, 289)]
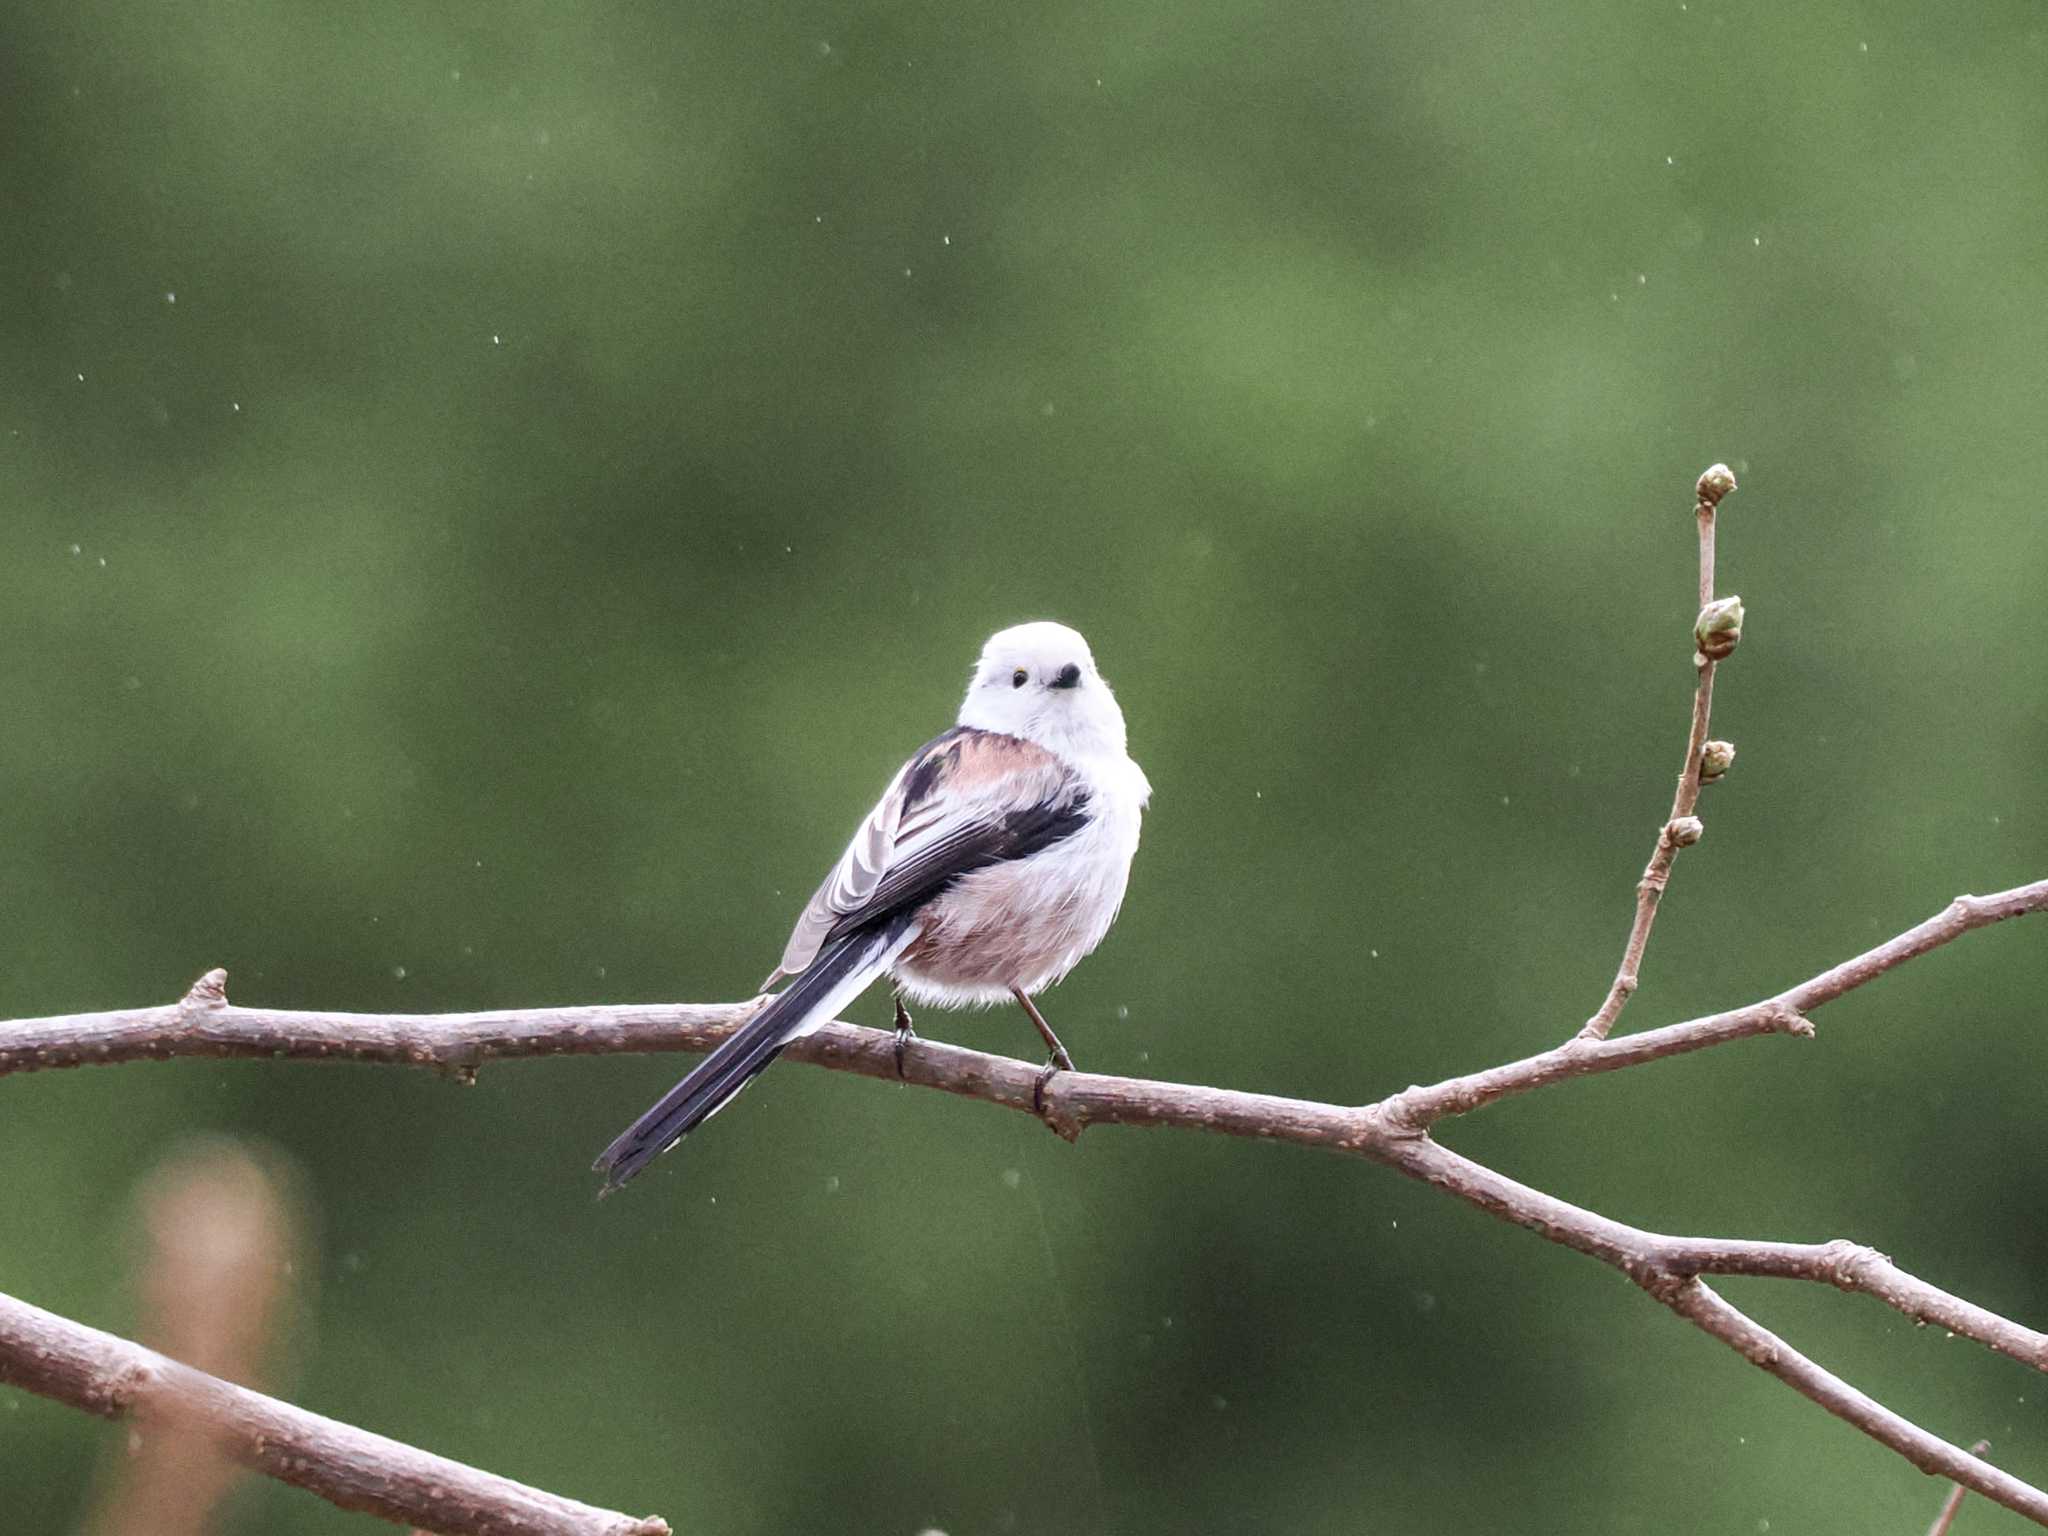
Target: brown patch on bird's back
[(986, 756), (968, 759)]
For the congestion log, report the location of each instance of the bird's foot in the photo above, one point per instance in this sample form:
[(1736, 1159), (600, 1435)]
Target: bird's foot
[(1059, 1062), (904, 1035)]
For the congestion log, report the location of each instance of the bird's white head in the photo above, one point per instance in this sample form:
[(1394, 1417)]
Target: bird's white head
[(1038, 681)]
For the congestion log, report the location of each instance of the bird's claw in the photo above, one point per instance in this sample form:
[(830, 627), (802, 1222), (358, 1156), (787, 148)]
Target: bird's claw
[(904, 1035), (1060, 1062)]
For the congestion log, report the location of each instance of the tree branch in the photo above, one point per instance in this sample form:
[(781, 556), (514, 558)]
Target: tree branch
[(1782, 1014), (1698, 1303), (1669, 1268), (204, 1023), (111, 1377), (1679, 830)]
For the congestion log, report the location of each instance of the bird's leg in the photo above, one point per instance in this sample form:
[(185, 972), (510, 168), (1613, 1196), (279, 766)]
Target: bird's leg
[(904, 1033), (1060, 1061)]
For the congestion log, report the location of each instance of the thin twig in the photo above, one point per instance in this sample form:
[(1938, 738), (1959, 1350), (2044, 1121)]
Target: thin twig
[(1782, 1014), (1698, 1303), (1954, 1501), (1713, 485), (110, 1376)]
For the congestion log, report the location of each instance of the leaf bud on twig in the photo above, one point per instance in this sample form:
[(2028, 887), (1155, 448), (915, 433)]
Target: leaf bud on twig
[(1716, 758), (1684, 831), (1719, 628), (1714, 484)]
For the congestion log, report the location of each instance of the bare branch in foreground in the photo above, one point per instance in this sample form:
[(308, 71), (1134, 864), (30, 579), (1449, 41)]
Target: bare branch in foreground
[(1954, 1501), (109, 1376), (1679, 829)]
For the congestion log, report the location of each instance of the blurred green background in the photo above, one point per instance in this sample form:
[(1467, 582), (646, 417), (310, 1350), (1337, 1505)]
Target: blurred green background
[(493, 491)]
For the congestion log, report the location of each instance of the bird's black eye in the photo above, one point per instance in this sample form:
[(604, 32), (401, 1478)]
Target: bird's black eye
[(1019, 678), (1069, 677)]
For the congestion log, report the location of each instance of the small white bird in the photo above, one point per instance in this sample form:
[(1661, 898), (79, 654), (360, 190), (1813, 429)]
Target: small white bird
[(996, 858)]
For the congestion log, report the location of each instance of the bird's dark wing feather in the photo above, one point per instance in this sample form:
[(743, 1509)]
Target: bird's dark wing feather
[(966, 799)]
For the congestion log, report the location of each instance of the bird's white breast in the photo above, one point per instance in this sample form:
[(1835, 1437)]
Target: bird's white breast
[(1026, 923)]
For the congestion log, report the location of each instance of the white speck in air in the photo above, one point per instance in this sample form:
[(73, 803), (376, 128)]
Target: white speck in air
[(398, 973), (1012, 1177), (171, 297)]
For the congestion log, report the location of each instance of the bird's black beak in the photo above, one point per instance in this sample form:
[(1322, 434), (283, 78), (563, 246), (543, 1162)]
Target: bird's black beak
[(1069, 677)]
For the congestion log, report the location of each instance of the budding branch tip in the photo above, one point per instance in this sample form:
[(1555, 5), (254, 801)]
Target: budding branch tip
[(1714, 484)]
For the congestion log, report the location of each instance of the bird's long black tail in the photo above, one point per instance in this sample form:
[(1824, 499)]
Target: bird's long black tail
[(843, 970)]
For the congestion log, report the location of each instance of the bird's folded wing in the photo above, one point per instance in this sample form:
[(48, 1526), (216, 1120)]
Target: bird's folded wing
[(966, 799)]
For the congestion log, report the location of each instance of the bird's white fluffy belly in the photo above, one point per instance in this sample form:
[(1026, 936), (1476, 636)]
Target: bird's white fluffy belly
[(1023, 924)]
